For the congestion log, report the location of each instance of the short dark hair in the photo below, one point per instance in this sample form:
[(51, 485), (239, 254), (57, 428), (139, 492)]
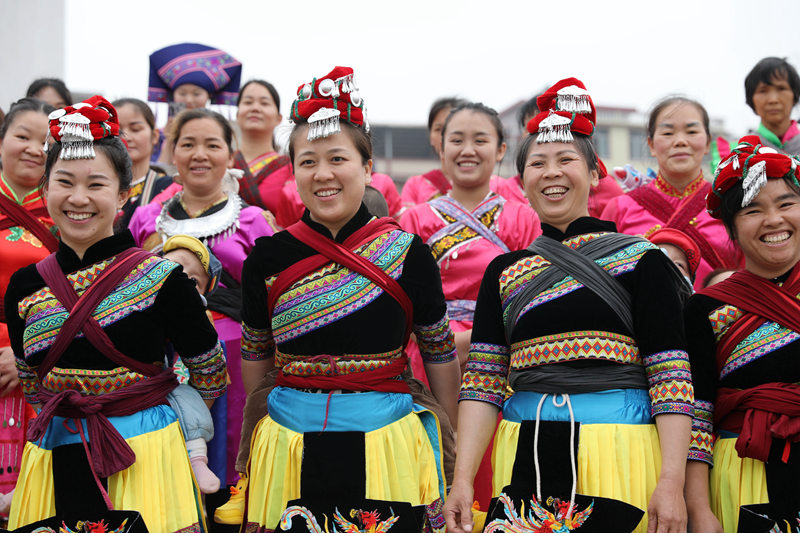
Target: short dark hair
[(582, 142), (731, 203), (375, 202), (21, 106), (143, 108), (441, 104), (273, 92), (767, 70), (186, 116), (529, 107), (112, 147), (361, 138), (477, 107), (662, 104), (58, 85)]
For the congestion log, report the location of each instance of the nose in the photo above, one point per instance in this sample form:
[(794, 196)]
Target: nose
[(772, 95), (78, 196), (199, 152), (323, 171), (551, 170)]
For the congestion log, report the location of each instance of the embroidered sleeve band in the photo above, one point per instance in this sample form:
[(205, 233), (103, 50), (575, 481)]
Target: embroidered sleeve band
[(701, 447), (436, 342), (207, 372), (257, 344), (486, 374), (670, 380)]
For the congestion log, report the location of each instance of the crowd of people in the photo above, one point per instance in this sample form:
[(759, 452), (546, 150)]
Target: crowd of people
[(206, 331)]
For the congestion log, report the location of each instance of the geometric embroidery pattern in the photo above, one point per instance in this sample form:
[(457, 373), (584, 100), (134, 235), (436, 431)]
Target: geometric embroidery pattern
[(574, 345), (329, 365)]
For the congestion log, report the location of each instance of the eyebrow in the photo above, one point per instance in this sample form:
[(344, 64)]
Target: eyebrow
[(671, 125), (331, 151), (67, 173), (560, 152)]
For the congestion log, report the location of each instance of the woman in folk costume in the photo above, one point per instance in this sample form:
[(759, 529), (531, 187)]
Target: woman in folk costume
[(137, 126), (742, 335), (470, 225), (580, 326), (331, 302), (190, 76), (104, 437), (678, 136), (209, 208), (26, 236)]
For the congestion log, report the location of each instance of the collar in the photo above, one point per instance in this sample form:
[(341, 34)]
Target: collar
[(668, 189), (212, 226), (361, 218), (102, 249), (579, 226), (29, 198)]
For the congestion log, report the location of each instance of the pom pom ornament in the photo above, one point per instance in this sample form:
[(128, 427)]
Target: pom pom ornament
[(573, 99), (76, 127), (555, 128), (327, 100)]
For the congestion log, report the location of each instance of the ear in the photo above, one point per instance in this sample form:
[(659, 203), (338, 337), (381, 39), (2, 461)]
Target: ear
[(595, 178), (501, 152), (708, 145), (155, 137), (230, 160), (650, 144), (368, 171), (123, 197)]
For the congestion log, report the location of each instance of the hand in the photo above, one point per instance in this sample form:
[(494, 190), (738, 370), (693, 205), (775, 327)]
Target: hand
[(703, 521), (9, 379), (458, 508), (667, 508)]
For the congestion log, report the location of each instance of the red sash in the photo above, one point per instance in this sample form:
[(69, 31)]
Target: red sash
[(330, 250), (438, 180), (248, 184), (761, 300), (107, 450), (680, 219), (16, 215), (759, 414)]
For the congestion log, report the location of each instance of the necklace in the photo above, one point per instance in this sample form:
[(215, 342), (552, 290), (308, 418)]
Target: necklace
[(211, 229)]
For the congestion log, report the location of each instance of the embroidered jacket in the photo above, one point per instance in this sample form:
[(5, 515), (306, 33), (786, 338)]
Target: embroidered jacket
[(336, 312), (569, 324), (767, 355), (156, 302)]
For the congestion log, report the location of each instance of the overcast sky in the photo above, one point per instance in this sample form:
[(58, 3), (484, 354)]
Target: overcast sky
[(409, 52)]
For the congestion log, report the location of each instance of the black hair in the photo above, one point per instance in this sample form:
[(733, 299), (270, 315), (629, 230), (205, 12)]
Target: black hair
[(141, 106), (112, 147), (268, 86), (582, 142), (527, 109), (360, 137), (767, 70), (375, 202), (21, 106), (668, 101), (731, 203), (186, 116), (58, 85), (448, 102), (477, 107)]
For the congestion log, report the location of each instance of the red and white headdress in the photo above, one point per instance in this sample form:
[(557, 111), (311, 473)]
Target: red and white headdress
[(566, 107), (324, 101), (77, 126)]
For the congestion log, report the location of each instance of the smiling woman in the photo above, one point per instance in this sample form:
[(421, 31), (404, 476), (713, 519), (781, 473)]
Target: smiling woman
[(743, 347), (110, 381)]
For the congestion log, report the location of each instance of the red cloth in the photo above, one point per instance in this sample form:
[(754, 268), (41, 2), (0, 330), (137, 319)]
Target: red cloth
[(759, 414), (678, 238), (28, 219), (101, 114)]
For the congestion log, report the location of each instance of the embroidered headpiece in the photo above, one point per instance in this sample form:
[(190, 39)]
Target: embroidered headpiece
[(77, 126), (325, 101), (565, 108), (208, 260), (218, 72), (753, 164), (678, 238)]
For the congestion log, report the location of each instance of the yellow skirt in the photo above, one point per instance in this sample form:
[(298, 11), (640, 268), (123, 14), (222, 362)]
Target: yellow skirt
[(619, 461), (160, 484), (401, 466), (734, 482)]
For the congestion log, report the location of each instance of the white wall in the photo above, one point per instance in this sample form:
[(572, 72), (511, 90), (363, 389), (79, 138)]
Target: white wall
[(31, 45)]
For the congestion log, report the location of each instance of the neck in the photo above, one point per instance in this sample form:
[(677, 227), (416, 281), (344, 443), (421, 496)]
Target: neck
[(255, 144), (80, 248), (780, 128), (197, 202), (140, 169), (469, 198), (19, 191), (681, 181)]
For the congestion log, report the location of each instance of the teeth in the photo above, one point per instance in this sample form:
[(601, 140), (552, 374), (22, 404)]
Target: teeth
[(555, 190), (468, 164), (78, 216), (777, 237), (327, 192)]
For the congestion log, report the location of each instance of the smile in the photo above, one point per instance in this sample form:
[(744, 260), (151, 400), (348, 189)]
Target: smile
[(72, 215), (776, 238), (468, 164), (326, 193), (556, 191)]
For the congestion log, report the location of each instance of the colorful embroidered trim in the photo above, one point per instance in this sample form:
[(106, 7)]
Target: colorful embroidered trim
[(701, 446), (207, 372), (670, 378), (463, 227), (90, 382), (573, 346), (257, 344), (306, 365), (486, 375), (662, 185), (436, 341)]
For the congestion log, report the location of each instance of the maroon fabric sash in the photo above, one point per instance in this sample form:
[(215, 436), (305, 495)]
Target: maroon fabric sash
[(680, 219), (438, 180), (761, 300), (108, 452), (330, 250), (249, 183), (759, 414), (17, 215)]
